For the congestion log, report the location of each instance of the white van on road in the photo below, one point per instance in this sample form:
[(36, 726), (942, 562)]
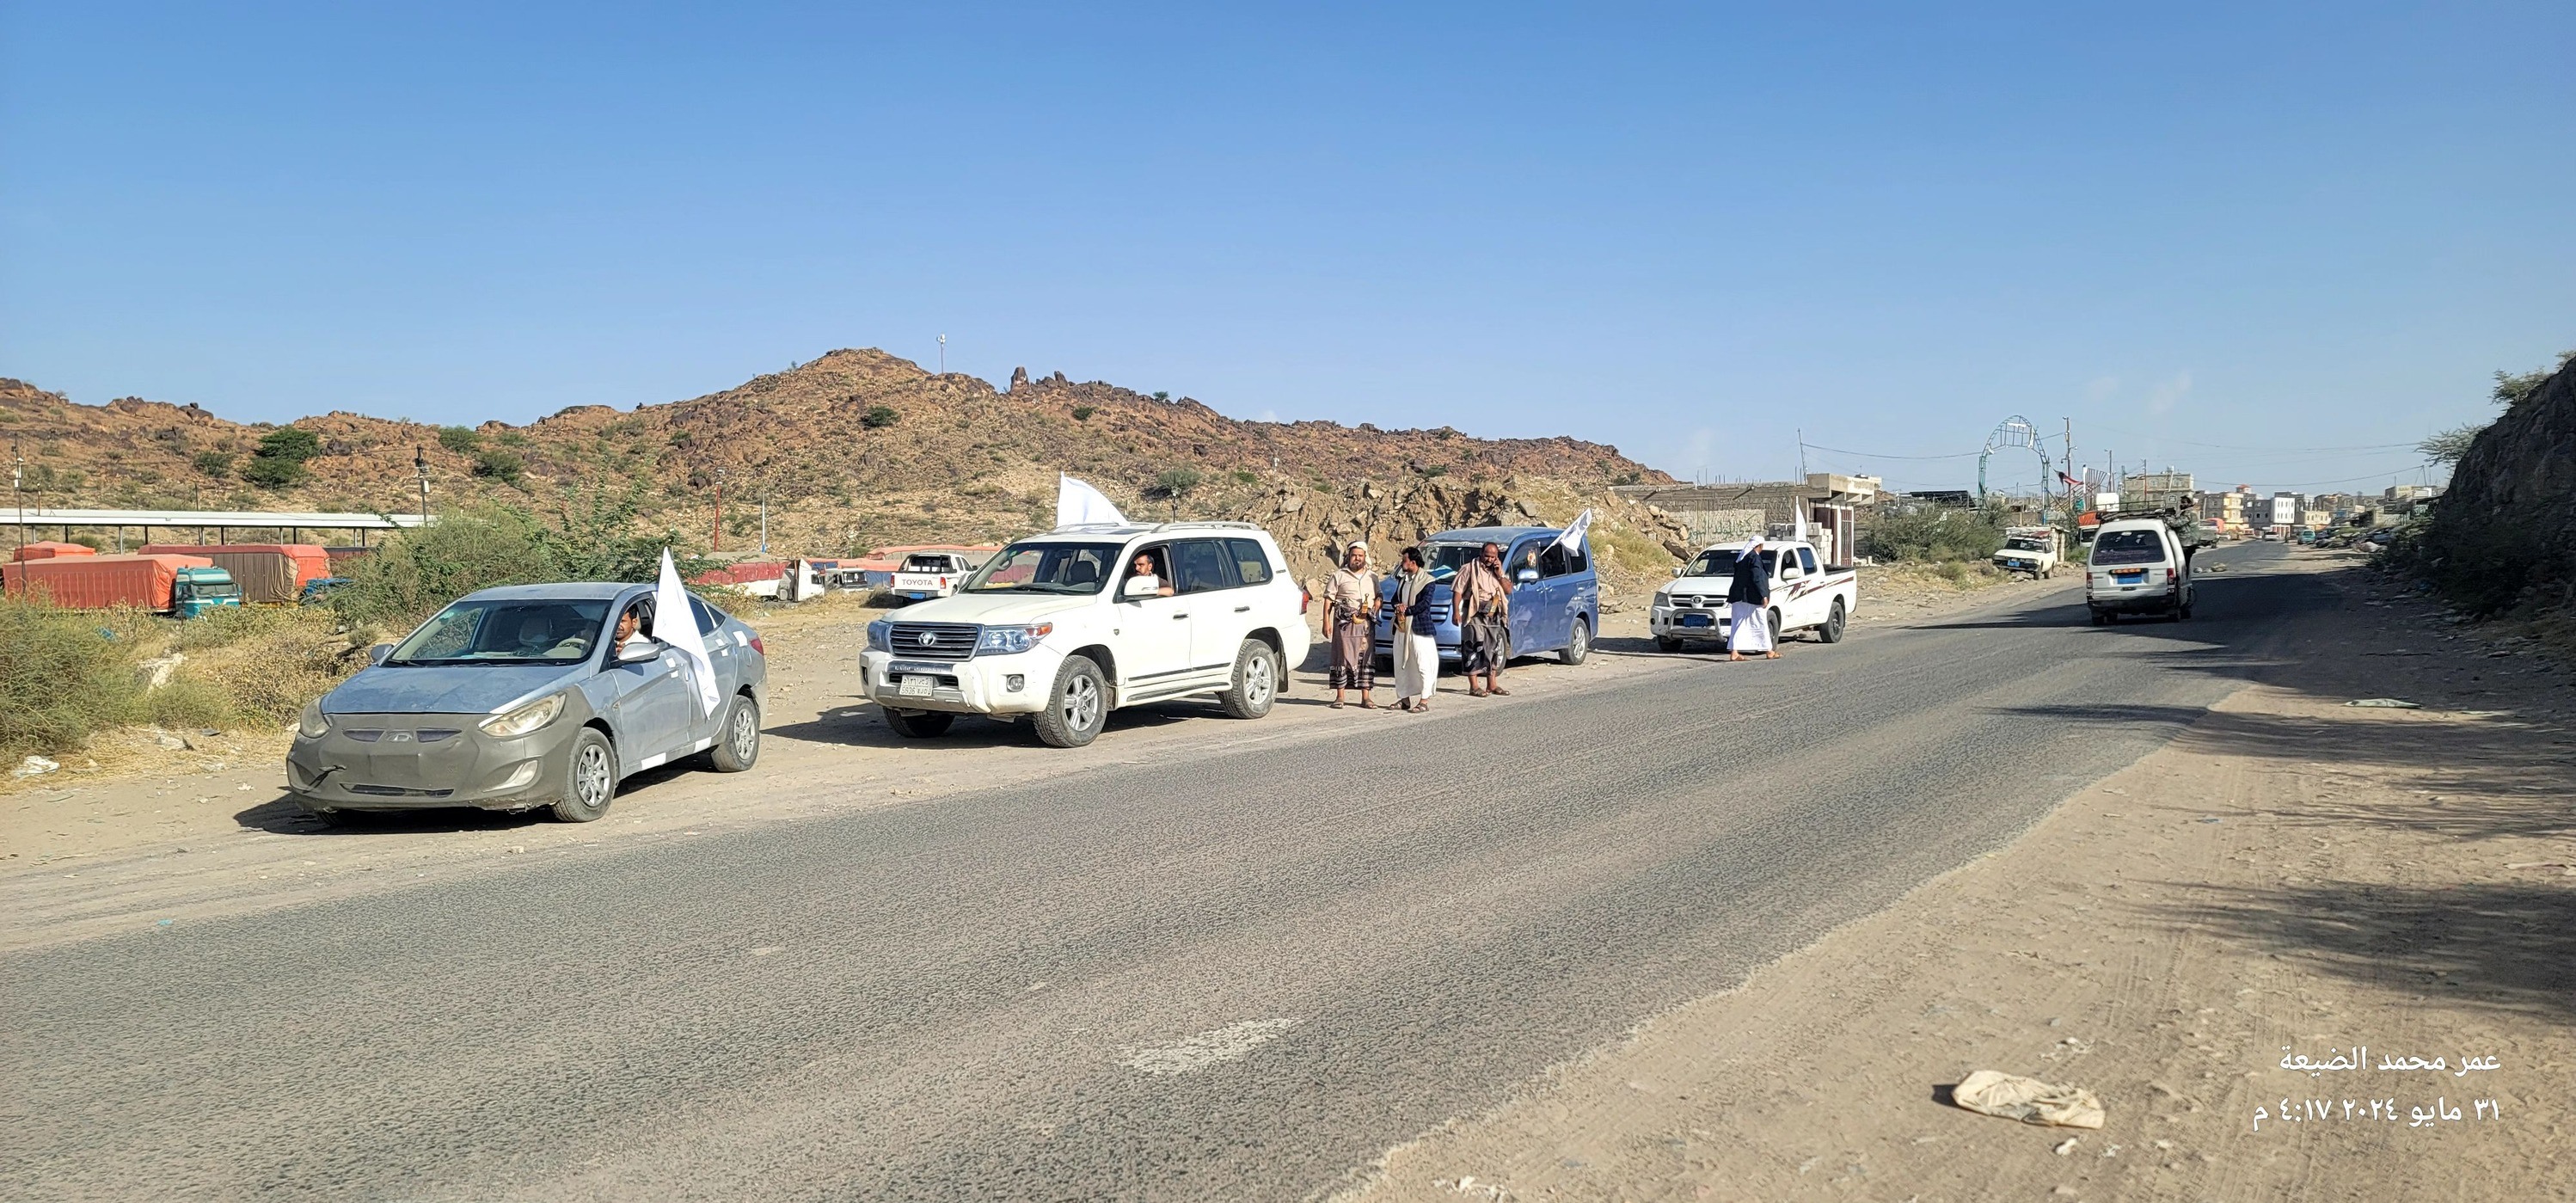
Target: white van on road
[(2138, 566), (1063, 628)]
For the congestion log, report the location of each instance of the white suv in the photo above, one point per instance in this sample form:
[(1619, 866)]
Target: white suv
[(1063, 627)]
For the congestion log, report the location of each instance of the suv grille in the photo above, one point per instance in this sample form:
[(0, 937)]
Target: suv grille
[(933, 640), (1691, 602)]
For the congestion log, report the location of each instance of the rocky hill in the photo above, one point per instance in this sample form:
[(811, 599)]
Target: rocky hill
[(2504, 536), (856, 448)]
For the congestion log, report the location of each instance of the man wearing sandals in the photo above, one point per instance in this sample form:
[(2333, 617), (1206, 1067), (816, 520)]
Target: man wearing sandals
[(1417, 641), (1350, 614), (1482, 596)]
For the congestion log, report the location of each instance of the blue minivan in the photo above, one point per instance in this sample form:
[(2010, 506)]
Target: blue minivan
[(1556, 598)]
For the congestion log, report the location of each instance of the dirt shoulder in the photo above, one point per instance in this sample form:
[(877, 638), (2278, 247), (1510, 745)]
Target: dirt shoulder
[(2291, 877)]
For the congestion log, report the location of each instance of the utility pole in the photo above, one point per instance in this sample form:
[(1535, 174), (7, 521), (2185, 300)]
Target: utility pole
[(764, 524), (2073, 505), (718, 542), (17, 471), (943, 354), (420, 468)]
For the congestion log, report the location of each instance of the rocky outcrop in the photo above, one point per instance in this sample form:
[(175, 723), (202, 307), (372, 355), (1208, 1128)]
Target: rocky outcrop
[(2504, 535)]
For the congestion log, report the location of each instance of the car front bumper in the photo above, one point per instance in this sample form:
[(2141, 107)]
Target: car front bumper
[(426, 761), (1689, 622), (976, 685)]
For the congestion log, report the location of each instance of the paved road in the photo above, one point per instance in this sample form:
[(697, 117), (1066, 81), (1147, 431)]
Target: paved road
[(1240, 978)]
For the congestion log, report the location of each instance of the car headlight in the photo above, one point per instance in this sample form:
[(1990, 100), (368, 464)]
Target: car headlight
[(313, 724), (1007, 640), (1664, 600), (877, 637), (524, 719)]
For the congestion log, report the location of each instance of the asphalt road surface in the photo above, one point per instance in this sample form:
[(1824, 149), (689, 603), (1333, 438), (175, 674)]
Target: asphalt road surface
[(1241, 977)]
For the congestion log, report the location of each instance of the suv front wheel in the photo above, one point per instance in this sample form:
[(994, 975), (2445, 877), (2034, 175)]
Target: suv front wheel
[(1256, 681), (1076, 707)]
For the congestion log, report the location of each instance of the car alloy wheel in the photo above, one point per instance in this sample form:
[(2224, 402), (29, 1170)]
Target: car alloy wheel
[(1081, 703), (746, 734), (590, 776)]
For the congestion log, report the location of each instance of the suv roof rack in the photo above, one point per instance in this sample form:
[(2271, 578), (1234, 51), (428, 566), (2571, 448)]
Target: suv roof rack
[(1228, 525)]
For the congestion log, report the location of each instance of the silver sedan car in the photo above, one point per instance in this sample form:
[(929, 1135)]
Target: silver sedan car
[(525, 696)]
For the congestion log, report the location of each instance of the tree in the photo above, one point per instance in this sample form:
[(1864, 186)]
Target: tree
[(278, 461), (879, 417), (500, 464), (2512, 390), (1176, 483), (460, 439), (2449, 446), (217, 464), (1082, 413)]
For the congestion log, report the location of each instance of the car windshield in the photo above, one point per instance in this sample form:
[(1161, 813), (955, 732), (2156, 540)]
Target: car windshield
[(493, 631), (2128, 547), (1720, 561), (1063, 568), (2025, 545)]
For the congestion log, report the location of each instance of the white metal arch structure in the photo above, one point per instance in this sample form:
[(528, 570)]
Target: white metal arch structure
[(2015, 431)]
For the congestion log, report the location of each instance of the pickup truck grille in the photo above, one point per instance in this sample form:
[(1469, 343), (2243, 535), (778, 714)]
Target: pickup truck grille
[(1689, 601), (933, 640)]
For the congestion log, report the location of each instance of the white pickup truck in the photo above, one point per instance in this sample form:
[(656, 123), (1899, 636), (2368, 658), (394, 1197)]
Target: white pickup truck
[(2031, 550), (1806, 595), (929, 574)]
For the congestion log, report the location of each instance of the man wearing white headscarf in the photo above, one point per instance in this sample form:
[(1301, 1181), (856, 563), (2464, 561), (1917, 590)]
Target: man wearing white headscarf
[(1748, 599), (1350, 619)]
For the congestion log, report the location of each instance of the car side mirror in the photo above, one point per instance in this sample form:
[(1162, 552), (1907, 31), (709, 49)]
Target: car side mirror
[(379, 653), (1680, 571), (639, 651), (1136, 587), (1526, 575)]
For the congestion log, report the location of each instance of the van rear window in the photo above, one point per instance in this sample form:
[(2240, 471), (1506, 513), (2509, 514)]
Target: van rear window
[(2129, 547)]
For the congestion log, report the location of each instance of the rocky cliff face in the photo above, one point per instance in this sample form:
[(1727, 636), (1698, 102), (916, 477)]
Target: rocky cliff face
[(2504, 535)]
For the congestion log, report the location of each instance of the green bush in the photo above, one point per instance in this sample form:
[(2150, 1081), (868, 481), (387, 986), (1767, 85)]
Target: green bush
[(1176, 482), (63, 675), (217, 464), (508, 467), (1082, 413), (879, 417), (460, 439), (603, 538), (1933, 535), (278, 461)]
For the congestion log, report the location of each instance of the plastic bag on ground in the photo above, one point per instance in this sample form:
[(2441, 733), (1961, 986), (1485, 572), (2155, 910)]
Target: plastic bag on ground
[(2029, 1100)]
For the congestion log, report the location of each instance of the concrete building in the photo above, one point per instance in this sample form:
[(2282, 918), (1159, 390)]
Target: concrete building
[(2282, 513), (1720, 513)]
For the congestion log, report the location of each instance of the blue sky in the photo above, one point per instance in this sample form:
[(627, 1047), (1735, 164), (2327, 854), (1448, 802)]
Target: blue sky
[(2270, 244)]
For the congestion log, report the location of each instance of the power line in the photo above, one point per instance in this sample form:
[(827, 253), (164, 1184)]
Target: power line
[(2154, 438), (1867, 455)]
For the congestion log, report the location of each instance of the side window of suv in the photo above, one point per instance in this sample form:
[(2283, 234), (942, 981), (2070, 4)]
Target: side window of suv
[(1199, 565), (1251, 563), (1554, 561), (1788, 569), (1807, 558)]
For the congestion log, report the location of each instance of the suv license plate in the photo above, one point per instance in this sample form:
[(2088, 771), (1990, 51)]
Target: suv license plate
[(1698, 620), (918, 686)]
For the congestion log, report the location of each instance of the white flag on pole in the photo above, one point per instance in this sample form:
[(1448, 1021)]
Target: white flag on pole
[(677, 628), (1078, 504), (1572, 539)]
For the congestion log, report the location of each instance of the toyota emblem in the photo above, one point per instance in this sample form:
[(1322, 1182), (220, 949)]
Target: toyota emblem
[(926, 639)]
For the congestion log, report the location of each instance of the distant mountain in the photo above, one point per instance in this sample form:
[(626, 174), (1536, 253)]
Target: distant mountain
[(853, 449)]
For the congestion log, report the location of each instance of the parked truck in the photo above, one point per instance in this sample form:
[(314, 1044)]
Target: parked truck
[(930, 574), (2029, 549), (270, 574), (181, 586)]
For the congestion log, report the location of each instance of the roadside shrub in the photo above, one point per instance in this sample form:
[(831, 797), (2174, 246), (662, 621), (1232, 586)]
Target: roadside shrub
[(217, 464), (186, 704), (63, 675), (601, 538), (1933, 535)]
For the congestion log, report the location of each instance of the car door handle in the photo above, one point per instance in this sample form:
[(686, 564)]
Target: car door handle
[(1243, 609), (1178, 617)]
